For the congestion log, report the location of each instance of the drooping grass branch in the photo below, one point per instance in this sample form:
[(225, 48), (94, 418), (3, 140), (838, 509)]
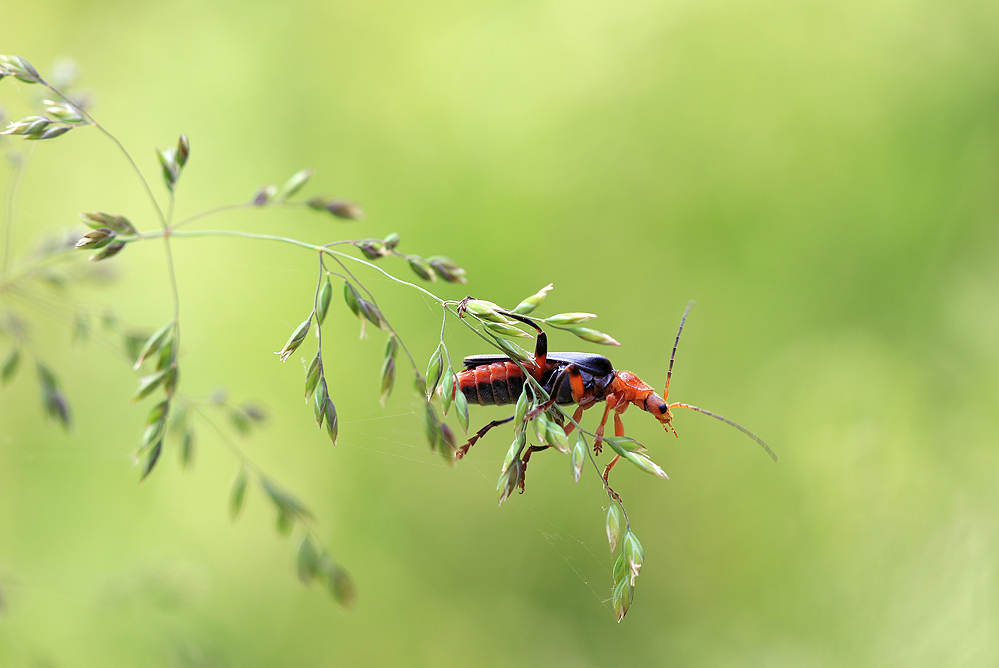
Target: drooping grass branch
[(538, 422), (109, 236)]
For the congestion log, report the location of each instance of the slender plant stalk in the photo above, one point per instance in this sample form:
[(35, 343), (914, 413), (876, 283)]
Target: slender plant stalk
[(405, 348), (163, 219), (322, 248), (17, 168)]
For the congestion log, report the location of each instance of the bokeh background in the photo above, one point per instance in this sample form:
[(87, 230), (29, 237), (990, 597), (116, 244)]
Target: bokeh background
[(820, 176)]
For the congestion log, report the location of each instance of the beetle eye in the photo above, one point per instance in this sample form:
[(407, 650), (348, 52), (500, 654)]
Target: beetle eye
[(662, 408)]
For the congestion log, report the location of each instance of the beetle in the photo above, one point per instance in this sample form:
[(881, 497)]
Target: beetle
[(583, 379)]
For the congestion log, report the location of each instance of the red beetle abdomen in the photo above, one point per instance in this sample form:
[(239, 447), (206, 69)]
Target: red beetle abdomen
[(497, 383)]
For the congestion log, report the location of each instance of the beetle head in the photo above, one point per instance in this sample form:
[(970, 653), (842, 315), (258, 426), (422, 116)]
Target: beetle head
[(658, 407)]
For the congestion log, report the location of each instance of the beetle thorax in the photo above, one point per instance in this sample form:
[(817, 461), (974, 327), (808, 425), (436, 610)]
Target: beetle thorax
[(631, 388)]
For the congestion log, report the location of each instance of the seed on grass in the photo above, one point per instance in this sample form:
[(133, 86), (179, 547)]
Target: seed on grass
[(623, 595), (97, 239), (295, 340), (169, 166), (53, 400), (434, 369), (308, 561), (485, 310), (27, 126), (341, 586), (421, 268), (447, 269), (156, 423), (636, 458), (319, 404), (332, 422), (254, 413), (285, 523), (540, 425), (510, 480), (294, 184), (352, 299), (183, 150), (532, 302), (107, 252), (388, 380), (461, 407), (517, 447), (524, 404), (50, 133), (447, 442), (147, 384), (264, 195), (151, 459), (431, 426), (10, 365), (578, 458), (509, 331), (170, 382), (345, 210), (372, 249), (20, 68), (391, 345), (614, 523), (98, 219), (448, 382), (323, 303), (373, 314), (555, 437), (154, 343), (63, 111), (634, 554), (283, 500), (237, 495), (593, 336), (564, 319), (339, 208), (187, 442), (312, 374), (239, 421)]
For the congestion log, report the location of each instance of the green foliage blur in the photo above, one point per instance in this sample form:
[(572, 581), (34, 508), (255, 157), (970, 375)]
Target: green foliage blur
[(819, 176)]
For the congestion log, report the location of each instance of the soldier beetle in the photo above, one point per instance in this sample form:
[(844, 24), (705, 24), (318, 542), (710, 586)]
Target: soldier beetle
[(583, 379)]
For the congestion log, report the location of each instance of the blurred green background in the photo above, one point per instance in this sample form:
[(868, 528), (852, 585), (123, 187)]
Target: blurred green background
[(820, 176)]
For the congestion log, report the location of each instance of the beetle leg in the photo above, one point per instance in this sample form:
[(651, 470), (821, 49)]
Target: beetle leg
[(569, 370), (599, 433), (608, 469), (607, 485), (527, 457), (576, 417), (463, 450), (541, 349), (618, 431), (541, 346)]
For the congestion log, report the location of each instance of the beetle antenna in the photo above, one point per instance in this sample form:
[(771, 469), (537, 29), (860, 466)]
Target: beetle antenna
[(669, 373), (526, 321), (773, 455)]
